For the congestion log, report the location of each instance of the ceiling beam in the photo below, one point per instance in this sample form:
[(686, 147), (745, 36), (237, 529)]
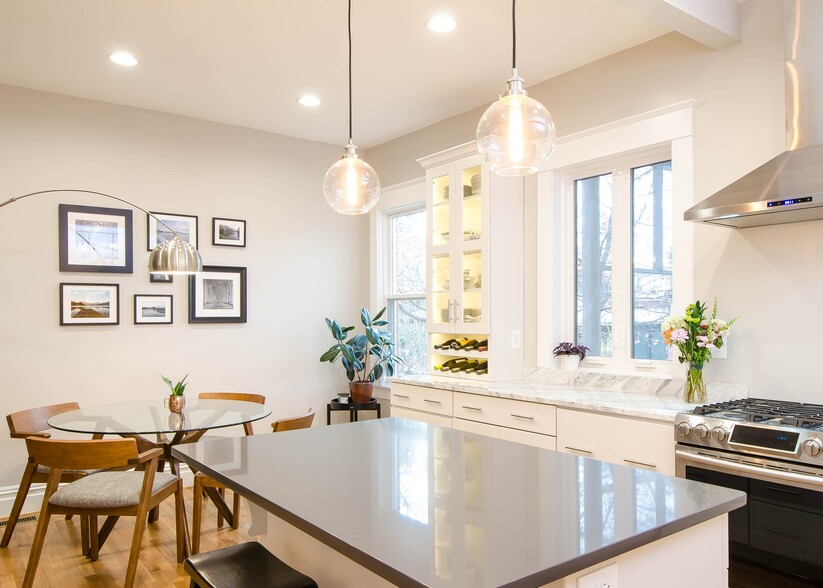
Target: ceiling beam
[(714, 23)]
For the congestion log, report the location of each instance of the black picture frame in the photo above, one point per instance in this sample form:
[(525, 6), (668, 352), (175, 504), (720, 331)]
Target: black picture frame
[(228, 232), (143, 314), (99, 304), (161, 278), (184, 224), (218, 295), (95, 239)]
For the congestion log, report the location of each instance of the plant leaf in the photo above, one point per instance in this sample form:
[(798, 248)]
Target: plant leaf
[(373, 335), (377, 372), (336, 331), (168, 382), (365, 317), (359, 341), (348, 352), (331, 354), (379, 314), (377, 323)]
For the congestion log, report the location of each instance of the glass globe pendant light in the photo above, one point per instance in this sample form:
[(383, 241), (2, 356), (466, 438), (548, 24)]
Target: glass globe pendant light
[(351, 185), (515, 136)]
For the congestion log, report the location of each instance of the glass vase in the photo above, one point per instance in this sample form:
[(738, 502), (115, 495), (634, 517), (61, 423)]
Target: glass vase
[(695, 392)]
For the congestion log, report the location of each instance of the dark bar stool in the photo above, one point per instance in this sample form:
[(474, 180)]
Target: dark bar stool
[(248, 565)]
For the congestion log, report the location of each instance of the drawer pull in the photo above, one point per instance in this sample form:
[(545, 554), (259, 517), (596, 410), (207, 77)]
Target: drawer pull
[(523, 416), (784, 490), (586, 451), (776, 532), (641, 463), (472, 408), (402, 396), (432, 401)]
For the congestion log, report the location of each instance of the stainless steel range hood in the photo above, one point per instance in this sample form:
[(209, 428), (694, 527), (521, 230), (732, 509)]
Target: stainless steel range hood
[(789, 188)]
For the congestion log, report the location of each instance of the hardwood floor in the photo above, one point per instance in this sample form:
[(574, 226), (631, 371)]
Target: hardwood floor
[(61, 564)]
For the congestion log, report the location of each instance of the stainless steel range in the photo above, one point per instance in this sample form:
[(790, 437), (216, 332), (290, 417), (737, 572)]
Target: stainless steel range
[(773, 451)]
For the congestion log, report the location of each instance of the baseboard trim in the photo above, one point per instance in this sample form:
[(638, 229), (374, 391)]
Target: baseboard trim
[(34, 500)]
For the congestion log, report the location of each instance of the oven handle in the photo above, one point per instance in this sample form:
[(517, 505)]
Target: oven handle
[(742, 467)]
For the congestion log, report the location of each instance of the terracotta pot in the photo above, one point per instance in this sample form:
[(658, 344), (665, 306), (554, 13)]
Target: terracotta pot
[(360, 392), (176, 403)]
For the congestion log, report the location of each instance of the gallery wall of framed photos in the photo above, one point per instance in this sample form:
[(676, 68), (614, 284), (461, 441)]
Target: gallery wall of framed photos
[(101, 240)]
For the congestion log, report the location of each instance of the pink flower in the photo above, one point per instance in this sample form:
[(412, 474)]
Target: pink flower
[(679, 336)]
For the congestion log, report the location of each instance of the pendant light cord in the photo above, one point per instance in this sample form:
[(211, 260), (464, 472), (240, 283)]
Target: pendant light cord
[(514, 35), (350, 133)]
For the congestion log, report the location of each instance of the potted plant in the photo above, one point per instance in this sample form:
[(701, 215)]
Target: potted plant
[(176, 401), (570, 355), (365, 356)]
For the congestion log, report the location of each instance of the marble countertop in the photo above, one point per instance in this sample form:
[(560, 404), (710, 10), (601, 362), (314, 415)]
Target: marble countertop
[(635, 396), (422, 505)]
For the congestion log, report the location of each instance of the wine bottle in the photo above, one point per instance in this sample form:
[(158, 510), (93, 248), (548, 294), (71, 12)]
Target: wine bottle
[(445, 344), (446, 366), (477, 345), (458, 364), (481, 367), (459, 343), (467, 367), (465, 344)]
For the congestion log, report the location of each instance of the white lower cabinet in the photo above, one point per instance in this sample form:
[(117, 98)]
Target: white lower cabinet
[(419, 415), (624, 440), (504, 412)]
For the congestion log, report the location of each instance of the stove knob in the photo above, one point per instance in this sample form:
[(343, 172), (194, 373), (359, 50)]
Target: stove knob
[(720, 434), (813, 447), (684, 429), (701, 431)]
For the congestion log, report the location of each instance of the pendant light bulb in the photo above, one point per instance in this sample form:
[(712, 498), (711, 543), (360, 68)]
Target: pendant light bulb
[(516, 135), (351, 185)]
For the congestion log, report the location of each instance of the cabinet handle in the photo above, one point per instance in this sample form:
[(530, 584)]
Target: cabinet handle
[(472, 408), (776, 532), (401, 396), (451, 311), (523, 416), (641, 463), (458, 317), (784, 490), (432, 401), (586, 451)]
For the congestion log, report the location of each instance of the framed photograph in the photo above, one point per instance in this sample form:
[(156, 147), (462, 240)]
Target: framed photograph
[(89, 304), (184, 224), (218, 295), (161, 278), (228, 232), (153, 309), (94, 239)]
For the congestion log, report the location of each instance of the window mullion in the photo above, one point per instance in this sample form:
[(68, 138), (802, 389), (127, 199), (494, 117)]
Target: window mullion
[(622, 266)]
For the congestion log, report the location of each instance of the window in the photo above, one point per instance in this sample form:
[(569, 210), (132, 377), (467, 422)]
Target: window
[(644, 206), (406, 289)]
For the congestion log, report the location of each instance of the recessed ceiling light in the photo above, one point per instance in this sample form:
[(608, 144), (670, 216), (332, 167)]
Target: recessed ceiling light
[(442, 23), (123, 58), (309, 100)]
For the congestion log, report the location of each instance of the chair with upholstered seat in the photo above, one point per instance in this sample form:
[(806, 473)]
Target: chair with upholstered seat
[(107, 493), (202, 481), (34, 422)]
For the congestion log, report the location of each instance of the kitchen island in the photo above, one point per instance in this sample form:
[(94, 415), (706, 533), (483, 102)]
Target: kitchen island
[(395, 501)]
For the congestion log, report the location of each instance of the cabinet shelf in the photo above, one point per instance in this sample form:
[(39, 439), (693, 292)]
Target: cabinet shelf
[(460, 353)]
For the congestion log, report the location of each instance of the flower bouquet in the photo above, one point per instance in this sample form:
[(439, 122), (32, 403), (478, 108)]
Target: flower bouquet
[(696, 337)]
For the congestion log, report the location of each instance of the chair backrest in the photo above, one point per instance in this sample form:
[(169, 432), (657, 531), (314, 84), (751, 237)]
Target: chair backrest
[(35, 420), (258, 398), (81, 455), (292, 423)]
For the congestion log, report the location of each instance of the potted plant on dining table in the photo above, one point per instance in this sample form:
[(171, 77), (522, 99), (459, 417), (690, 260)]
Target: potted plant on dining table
[(176, 402), (366, 357)]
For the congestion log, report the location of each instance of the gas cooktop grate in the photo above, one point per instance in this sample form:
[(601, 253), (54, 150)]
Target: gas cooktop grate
[(777, 412)]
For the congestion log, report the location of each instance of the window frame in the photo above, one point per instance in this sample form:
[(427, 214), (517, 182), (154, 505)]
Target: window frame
[(398, 200), (662, 134)]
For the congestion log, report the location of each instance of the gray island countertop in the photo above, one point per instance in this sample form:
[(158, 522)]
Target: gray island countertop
[(422, 505)]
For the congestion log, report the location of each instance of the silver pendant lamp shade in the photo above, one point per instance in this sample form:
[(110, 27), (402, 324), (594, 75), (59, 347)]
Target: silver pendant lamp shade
[(174, 256), (516, 135), (351, 185)]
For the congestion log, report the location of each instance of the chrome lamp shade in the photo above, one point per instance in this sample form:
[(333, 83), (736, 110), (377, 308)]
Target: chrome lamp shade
[(175, 256)]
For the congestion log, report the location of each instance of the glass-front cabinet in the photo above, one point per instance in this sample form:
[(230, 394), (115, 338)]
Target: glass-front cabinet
[(458, 208)]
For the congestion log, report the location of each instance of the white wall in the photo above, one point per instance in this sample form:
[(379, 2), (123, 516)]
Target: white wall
[(305, 262), (770, 276)]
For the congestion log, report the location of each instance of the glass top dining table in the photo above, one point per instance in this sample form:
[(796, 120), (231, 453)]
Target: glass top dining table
[(152, 418)]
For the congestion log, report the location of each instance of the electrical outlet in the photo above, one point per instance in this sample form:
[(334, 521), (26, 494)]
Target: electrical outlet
[(515, 339), (605, 577)]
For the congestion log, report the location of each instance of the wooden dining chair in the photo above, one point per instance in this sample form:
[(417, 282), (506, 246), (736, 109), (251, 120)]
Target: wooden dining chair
[(202, 481), (106, 493), (292, 423), (34, 422)]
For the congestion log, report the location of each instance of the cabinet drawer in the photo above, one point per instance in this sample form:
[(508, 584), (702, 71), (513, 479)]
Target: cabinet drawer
[(514, 414), (419, 415), (526, 438), (786, 532), (475, 427), (422, 398)]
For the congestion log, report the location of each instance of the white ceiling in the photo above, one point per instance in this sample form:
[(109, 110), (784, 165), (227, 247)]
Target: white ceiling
[(245, 62)]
